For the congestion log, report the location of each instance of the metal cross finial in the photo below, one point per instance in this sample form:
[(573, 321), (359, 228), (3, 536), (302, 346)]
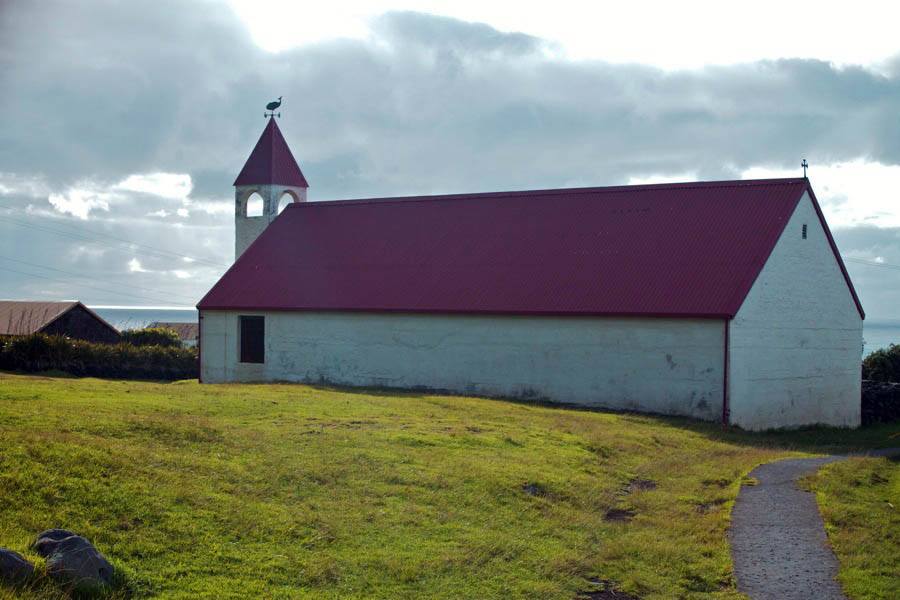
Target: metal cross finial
[(804, 164)]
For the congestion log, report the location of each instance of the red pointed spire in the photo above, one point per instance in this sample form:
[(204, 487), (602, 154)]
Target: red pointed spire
[(271, 161)]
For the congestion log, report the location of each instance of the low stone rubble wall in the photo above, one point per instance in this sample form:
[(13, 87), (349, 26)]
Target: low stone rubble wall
[(880, 401)]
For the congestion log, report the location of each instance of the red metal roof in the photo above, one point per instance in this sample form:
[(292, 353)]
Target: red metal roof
[(23, 317), (689, 250), (271, 161), (185, 331)]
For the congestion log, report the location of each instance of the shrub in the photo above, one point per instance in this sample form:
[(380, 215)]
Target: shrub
[(39, 352), (883, 364), (152, 336)]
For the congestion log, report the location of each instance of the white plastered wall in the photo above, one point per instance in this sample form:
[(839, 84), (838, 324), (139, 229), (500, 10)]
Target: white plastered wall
[(247, 229), (669, 366), (796, 342)]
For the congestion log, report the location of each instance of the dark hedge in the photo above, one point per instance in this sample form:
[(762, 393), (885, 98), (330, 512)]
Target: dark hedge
[(39, 352), (151, 336)]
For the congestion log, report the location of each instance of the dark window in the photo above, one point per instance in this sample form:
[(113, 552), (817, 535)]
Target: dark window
[(253, 337), (804, 231)]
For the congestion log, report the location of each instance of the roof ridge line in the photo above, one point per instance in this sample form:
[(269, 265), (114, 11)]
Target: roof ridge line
[(555, 191)]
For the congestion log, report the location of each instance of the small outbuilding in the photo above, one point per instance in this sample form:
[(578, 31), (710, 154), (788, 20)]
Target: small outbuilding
[(187, 332), (71, 319), (723, 300)]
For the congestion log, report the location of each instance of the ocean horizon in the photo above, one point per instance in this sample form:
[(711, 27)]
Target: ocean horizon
[(876, 334), (138, 317)]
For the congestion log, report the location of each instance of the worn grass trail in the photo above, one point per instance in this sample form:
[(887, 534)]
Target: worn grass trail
[(778, 540), (292, 491)]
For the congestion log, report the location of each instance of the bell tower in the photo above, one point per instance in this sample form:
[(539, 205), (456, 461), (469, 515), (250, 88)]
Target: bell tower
[(272, 173)]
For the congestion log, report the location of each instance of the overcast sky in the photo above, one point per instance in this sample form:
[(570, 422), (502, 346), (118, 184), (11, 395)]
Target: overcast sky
[(125, 123)]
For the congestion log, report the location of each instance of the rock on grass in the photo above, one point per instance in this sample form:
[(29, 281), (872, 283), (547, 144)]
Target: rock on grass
[(73, 560), (48, 540), (76, 561), (14, 568)]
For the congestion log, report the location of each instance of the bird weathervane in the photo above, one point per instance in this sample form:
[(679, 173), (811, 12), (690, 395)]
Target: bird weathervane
[(805, 166), (271, 106)]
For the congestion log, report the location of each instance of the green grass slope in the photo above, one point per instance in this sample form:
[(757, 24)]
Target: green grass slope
[(860, 502), (288, 491)]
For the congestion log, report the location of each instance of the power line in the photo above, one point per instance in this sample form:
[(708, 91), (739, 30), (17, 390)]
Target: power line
[(873, 263), (86, 237), (56, 279), (137, 287)]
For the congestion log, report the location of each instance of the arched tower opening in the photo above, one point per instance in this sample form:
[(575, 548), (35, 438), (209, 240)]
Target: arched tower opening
[(255, 206), (287, 197), (270, 180)]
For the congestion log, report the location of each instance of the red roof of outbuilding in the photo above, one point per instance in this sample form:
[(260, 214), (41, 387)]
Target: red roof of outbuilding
[(185, 331), (271, 161), (23, 317), (689, 250)]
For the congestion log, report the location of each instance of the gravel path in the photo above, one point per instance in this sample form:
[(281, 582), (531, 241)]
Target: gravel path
[(778, 540)]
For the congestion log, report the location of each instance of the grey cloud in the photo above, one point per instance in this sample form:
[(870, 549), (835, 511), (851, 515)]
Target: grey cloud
[(107, 89), (874, 240), (58, 257), (112, 90), (432, 33), (879, 287)]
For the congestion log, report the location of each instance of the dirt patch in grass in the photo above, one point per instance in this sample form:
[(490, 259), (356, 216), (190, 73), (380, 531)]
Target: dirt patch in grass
[(640, 485), (708, 507), (619, 515), (721, 482), (534, 489), (608, 595), (606, 591)]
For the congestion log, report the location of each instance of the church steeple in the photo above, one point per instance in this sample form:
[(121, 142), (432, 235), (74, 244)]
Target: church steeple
[(271, 162), (271, 172)]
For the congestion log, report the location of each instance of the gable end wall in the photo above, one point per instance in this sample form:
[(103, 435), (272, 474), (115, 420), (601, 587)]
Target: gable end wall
[(80, 324), (796, 342)]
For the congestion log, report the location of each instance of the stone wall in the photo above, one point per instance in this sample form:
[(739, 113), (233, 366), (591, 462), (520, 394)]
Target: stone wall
[(880, 402)]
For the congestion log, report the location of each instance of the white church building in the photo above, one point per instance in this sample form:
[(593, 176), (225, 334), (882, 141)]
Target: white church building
[(721, 300)]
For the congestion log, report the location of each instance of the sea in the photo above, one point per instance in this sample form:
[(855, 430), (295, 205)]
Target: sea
[(876, 334), (138, 317)]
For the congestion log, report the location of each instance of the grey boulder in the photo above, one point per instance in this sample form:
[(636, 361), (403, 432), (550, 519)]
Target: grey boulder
[(74, 561), (14, 568), (47, 541)]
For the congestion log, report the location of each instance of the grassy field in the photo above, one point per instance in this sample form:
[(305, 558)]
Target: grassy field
[(287, 491), (860, 502)]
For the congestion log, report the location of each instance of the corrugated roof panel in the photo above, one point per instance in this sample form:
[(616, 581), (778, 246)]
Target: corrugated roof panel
[(662, 250), (185, 331), (23, 317)]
